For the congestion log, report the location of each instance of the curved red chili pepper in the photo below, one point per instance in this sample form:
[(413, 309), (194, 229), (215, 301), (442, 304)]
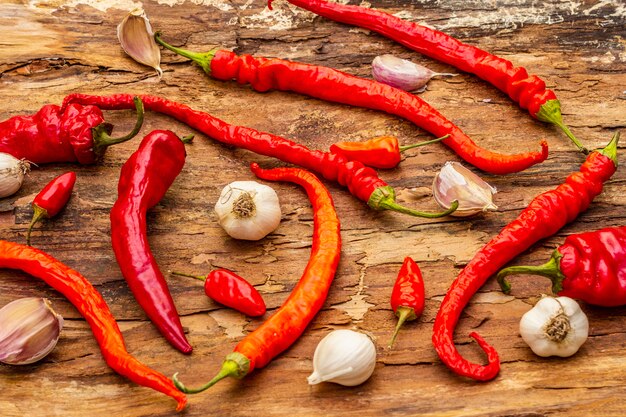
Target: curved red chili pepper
[(544, 216), (407, 296)]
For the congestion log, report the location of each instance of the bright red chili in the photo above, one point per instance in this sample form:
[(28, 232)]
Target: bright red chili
[(589, 266), (75, 133), (93, 308), (363, 182), (284, 327), (544, 216), (264, 74), (51, 200), (231, 290), (529, 92), (144, 180), (407, 296)]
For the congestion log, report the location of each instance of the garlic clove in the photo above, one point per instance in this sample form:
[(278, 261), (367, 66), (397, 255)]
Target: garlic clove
[(455, 182), (137, 40), (12, 172), (403, 74)]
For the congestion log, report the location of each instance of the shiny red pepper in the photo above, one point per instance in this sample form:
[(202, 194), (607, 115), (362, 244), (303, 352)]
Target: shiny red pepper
[(407, 297), (51, 200)]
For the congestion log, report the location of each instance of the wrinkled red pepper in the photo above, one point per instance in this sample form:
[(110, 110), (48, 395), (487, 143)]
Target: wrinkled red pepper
[(407, 296)]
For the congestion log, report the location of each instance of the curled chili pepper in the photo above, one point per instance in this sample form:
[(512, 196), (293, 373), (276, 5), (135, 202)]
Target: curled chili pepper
[(94, 309), (407, 296), (144, 180), (544, 216), (588, 266), (265, 74), (51, 199), (75, 133), (284, 327)]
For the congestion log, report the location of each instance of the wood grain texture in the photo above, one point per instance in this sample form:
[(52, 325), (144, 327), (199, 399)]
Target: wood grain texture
[(49, 48)]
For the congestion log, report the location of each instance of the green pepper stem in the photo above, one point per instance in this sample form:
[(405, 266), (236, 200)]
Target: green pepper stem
[(38, 214), (182, 274), (101, 133), (549, 270), (202, 59), (384, 198), (610, 150), (550, 112), (235, 365), (187, 139), (404, 313), (428, 142)]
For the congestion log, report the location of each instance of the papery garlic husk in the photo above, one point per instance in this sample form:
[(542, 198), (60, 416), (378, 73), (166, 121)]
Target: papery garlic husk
[(248, 210), (455, 182), (137, 40), (555, 326), (12, 172), (344, 357), (29, 330), (401, 73)]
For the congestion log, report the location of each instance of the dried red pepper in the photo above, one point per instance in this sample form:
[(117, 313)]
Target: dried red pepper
[(51, 199), (588, 266), (93, 308), (363, 182), (284, 327), (75, 133), (407, 296), (544, 216), (264, 74), (144, 180), (529, 91)]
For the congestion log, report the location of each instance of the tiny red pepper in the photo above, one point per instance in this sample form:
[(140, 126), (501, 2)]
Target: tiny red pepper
[(51, 200), (231, 290), (407, 297)]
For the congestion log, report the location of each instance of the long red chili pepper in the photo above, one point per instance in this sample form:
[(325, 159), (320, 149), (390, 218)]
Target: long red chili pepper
[(144, 179), (284, 327), (363, 182), (529, 92), (544, 216), (75, 133), (407, 296), (51, 199), (93, 308), (264, 74), (589, 266)]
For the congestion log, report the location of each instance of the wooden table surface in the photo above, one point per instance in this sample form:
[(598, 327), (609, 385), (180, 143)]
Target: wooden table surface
[(50, 48)]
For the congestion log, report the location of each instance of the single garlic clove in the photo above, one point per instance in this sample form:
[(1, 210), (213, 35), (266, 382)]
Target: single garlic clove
[(137, 40), (29, 330), (12, 172), (401, 73), (455, 182)]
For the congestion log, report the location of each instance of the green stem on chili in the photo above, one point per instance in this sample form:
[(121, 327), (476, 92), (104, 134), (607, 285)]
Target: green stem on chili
[(102, 133), (427, 142), (203, 59), (549, 270), (188, 275), (384, 198)]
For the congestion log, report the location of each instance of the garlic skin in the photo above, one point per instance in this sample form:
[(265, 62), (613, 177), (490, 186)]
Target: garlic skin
[(344, 357), (137, 40), (29, 330), (455, 182), (248, 210), (403, 74), (554, 327), (12, 172)]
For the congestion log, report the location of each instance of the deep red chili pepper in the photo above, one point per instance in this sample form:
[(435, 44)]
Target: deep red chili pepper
[(544, 216), (589, 266), (231, 290), (144, 180), (51, 200), (284, 327), (93, 308), (529, 92), (363, 182), (264, 74), (75, 133), (407, 296)]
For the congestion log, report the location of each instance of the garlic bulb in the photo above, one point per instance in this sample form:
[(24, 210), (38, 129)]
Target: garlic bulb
[(137, 40), (344, 357), (29, 330), (554, 327), (248, 210), (403, 74), (455, 182), (12, 172)]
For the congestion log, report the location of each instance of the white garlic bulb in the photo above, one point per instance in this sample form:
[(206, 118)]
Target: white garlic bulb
[(12, 172), (248, 210), (137, 40), (554, 327), (344, 357)]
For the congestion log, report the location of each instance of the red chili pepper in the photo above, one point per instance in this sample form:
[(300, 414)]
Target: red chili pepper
[(51, 200), (529, 92), (363, 182), (264, 74), (407, 297), (284, 327), (231, 290), (73, 134), (544, 216), (93, 308), (144, 179), (588, 266)]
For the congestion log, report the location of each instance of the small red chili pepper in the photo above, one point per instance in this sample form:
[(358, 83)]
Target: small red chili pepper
[(75, 133), (588, 266), (51, 200), (231, 290), (407, 297)]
